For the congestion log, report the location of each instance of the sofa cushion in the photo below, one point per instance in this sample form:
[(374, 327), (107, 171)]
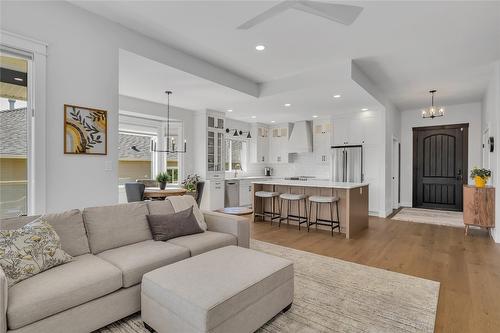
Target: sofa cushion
[(160, 207), (30, 250), (168, 226), (85, 278), (109, 227), (209, 240), (68, 225), (137, 259)]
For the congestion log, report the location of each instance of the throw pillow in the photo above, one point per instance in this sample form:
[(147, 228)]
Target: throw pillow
[(30, 250), (165, 227)]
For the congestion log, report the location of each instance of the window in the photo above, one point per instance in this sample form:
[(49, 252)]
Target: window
[(14, 138), (135, 158), (235, 155)]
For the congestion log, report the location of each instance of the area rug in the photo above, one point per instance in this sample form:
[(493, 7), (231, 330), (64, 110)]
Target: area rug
[(333, 295), (431, 216)]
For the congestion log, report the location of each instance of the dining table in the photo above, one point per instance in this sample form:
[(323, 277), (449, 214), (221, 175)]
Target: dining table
[(158, 194)]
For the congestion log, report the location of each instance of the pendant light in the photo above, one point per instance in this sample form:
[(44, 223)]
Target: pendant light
[(170, 145), (432, 111)]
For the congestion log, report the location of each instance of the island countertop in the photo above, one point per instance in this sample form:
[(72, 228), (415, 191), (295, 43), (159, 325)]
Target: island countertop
[(311, 183)]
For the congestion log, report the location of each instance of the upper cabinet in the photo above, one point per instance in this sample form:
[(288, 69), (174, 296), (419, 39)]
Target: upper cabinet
[(322, 140), (259, 144), (361, 129), (278, 143), (209, 147)]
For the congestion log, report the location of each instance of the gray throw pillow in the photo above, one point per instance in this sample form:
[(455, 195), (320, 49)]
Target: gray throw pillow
[(165, 227)]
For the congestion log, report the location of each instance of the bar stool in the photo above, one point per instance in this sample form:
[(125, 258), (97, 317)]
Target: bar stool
[(289, 197), (318, 200), (263, 195)]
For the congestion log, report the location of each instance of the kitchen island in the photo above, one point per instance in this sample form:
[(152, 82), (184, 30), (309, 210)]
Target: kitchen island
[(353, 201)]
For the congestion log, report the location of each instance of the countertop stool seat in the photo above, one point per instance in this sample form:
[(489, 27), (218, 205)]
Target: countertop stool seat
[(318, 200), (266, 195), (289, 198)]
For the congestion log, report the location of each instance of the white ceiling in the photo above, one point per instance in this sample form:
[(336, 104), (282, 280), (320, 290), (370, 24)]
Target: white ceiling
[(406, 47), (147, 79)]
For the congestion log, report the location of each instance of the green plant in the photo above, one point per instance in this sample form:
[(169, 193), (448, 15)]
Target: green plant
[(480, 172), (162, 177), (190, 182)]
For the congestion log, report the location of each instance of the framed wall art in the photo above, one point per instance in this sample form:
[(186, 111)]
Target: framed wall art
[(85, 130)]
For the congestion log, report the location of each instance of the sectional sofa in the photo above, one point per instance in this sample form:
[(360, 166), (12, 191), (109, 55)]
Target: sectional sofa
[(112, 248)]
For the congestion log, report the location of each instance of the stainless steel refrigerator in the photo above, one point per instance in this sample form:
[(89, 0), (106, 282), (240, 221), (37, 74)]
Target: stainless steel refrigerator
[(347, 164)]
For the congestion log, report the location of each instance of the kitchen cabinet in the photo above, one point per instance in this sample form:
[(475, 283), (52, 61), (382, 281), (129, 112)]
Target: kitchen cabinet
[(213, 195), (259, 144), (245, 192), (278, 143), (358, 130), (322, 141), (215, 145)]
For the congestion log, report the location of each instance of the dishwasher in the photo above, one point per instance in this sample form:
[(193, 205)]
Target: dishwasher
[(232, 193)]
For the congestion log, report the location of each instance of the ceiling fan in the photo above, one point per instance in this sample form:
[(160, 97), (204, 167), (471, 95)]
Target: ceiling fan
[(344, 14)]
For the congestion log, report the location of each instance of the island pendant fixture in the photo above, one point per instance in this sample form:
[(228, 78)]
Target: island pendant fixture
[(432, 111), (170, 149)]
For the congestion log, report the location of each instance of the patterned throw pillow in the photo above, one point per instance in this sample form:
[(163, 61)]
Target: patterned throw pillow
[(30, 250)]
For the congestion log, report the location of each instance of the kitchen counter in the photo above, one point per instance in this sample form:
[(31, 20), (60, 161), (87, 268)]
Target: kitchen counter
[(250, 177), (311, 183), (353, 202)]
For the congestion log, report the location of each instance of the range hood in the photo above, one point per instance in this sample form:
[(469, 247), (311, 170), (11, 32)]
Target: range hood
[(301, 138)]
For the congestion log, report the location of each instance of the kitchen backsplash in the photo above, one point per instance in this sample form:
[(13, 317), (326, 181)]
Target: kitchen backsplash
[(303, 164)]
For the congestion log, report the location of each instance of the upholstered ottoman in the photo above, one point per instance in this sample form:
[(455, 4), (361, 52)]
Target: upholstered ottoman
[(230, 289)]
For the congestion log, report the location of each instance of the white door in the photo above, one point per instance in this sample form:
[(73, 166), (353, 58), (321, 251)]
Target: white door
[(395, 174)]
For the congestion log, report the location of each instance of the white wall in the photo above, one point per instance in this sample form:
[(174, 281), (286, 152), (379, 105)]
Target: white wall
[(491, 121), (455, 114), (82, 69)]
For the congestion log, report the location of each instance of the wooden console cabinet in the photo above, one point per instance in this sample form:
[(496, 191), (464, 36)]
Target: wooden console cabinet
[(479, 207)]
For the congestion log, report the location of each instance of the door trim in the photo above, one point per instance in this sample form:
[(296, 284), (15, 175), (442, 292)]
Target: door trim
[(465, 153)]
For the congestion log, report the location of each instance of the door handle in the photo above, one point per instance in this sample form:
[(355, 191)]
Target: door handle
[(459, 174)]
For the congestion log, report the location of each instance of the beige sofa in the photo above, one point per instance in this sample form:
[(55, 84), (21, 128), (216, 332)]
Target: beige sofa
[(112, 248)]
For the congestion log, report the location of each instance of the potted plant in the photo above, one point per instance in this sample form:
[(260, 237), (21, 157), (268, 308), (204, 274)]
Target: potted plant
[(190, 183), (480, 176), (162, 179)]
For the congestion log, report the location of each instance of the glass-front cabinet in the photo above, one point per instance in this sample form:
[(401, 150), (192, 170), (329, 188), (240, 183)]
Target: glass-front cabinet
[(215, 145)]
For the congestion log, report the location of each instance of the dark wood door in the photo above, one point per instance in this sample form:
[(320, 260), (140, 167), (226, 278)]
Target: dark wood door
[(440, 166)]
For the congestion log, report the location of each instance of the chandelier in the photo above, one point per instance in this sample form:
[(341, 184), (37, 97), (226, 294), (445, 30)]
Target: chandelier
[(171, 147), (432, 111)]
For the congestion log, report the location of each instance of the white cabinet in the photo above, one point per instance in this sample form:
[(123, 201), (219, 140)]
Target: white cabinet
[(215, 145), (358, 130), (245, 192), (213, 195), (278, 143), (322, 141), (259, 144)]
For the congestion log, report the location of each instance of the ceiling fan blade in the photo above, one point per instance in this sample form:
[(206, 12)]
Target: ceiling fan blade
[(344, 14), (273, 11)]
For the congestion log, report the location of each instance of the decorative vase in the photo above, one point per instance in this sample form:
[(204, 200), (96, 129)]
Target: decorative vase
[(480, 181), (163, 185)]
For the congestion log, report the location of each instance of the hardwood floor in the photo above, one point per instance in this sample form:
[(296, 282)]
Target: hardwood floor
[(467, 267)]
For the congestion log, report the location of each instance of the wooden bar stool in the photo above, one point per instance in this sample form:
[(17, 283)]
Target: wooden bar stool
[(289, 198), (263, 195), (318, 200)]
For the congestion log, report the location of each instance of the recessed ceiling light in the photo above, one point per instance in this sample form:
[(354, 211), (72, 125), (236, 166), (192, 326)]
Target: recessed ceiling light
[(288, 104), (364, 109), (273, 121), (315, 116), (253, 117), (260, 47), (337, 96), (229, 110)]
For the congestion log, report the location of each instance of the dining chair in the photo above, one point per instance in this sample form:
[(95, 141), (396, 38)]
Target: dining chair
[(199, 192), (134, 191)]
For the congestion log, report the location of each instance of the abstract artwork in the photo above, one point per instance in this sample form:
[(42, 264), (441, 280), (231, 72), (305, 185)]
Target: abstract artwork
[(85, 130)]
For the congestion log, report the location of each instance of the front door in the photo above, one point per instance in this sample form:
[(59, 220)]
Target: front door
[(439, 166)]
